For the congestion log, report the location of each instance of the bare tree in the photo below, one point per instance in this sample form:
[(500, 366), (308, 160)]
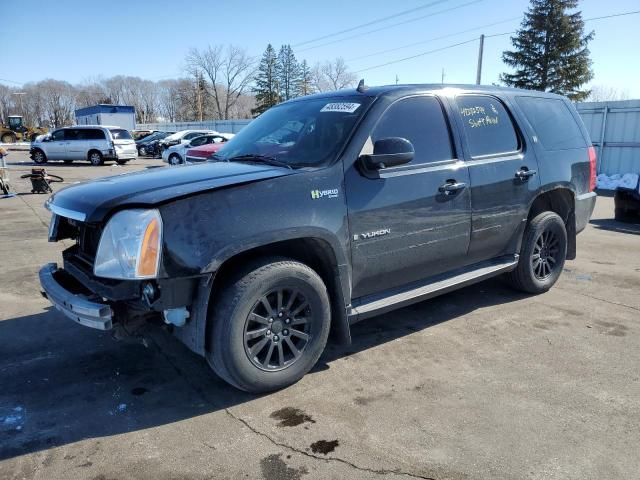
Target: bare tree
[(6, 103), (229, 71), (333, 75), (338, 74), (59, 101), (604, 93)]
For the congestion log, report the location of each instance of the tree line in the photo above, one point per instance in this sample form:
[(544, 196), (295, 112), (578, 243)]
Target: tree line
[(221, 82)]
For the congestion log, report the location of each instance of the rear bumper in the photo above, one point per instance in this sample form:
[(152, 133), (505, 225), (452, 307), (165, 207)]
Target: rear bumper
[(584, 208), (75, 306)]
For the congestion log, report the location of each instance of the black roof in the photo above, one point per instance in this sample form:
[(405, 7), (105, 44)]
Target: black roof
[(377, 91)]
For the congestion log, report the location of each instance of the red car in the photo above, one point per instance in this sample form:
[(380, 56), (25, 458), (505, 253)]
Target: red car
[(200, 154)]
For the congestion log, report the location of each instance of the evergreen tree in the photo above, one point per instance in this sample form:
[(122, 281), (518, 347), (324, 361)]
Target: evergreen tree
[(288, 73), (266, 82), (305, 80), (551, 51)]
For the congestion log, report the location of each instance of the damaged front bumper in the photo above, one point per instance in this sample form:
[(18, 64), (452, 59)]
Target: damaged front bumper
[(74, 304)]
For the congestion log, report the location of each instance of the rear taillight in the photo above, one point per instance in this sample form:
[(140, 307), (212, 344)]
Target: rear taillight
[(592, 168)]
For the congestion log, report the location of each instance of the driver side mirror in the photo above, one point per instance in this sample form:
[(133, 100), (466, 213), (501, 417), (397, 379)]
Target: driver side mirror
[(389, 152)]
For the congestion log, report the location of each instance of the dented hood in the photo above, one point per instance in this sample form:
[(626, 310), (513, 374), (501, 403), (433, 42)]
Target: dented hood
[(94, 200)]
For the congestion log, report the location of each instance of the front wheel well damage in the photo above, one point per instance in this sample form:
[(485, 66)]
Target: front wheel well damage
[(313, 252), (562, 202)]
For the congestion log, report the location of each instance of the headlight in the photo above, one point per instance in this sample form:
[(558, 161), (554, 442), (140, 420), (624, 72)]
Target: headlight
[(130, 246)]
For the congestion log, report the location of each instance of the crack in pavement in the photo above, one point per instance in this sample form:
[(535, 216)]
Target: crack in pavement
[(203, 396), (324, 459), (600, 299)]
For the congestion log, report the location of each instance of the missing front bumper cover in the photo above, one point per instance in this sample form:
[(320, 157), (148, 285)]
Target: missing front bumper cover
[(75, 306)]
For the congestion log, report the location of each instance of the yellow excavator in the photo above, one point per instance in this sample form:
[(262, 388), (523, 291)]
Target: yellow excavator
[(16, 131)]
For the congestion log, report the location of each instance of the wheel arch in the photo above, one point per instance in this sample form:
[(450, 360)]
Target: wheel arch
[(314, 252), (91, 150), (560, 200)]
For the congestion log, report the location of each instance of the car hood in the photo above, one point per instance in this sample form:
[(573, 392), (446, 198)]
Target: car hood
[(93, 200)]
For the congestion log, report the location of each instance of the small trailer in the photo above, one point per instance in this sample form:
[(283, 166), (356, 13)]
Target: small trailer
[(123, 116)]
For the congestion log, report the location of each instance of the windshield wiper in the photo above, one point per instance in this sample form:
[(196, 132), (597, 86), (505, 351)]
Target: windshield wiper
[(254, 157)]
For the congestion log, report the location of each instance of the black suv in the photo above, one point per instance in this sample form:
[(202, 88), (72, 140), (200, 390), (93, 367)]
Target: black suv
[(322, 212)]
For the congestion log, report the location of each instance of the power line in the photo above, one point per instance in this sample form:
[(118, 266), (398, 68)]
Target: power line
[(433, 39), (10, 81), (373, 22), (418, 55), (612, 16), (475, 39), (368, 32)]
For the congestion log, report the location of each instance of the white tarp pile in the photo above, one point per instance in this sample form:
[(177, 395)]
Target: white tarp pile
[(606, 182)]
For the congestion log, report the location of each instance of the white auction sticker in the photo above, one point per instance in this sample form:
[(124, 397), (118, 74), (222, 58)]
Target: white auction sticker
[(340, 107)]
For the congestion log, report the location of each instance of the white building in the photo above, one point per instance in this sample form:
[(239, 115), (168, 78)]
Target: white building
[(123, 116)]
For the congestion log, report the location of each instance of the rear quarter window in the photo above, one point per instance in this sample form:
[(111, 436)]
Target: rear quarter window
[(553, 123), (487, 125)]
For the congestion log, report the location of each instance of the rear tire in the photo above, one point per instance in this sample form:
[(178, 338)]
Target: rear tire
[(68, 162), (39, 157), (542, 256), (142, 151), (121, 162), (270, 325), (95, 158)]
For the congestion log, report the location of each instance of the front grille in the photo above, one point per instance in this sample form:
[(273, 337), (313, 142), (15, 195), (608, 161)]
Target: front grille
[(88, 241)]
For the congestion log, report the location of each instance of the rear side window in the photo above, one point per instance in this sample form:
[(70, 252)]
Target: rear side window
[(90, 134), (487, 125), (71, 134), (421, 121), (554, 125), (120, 134)]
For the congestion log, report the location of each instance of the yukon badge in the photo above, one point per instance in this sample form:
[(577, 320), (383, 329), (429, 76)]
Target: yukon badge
[(370, 235)]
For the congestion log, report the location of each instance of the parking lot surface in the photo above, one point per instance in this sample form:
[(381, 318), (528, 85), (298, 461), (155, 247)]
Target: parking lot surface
[(481, 383)]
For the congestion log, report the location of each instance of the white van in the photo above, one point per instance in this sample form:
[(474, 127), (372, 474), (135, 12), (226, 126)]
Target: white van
[(95, 143)]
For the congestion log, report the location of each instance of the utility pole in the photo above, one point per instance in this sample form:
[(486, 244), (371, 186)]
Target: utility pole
[(199, 93), (442, 77), (397, 79), (480, 54)]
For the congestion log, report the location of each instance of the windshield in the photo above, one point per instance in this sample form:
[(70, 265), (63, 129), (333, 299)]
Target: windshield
[(301, 133), (120, 134)]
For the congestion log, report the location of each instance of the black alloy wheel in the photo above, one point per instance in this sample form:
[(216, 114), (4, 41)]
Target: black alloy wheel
[(278, 329), (545, 252)]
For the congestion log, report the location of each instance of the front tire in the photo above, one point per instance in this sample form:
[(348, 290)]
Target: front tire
[(270, 325), (68, 162), (542, 256), (142, 151), (174, 159), (95, 158), (121, 162)]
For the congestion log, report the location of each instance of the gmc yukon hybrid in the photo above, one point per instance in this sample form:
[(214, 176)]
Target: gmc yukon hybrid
[(324, 211)]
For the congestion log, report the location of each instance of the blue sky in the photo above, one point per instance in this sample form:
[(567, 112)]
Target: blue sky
[(76, 40)]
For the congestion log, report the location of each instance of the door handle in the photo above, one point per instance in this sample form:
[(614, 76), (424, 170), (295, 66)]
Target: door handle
[(525, 174), (452, 187)]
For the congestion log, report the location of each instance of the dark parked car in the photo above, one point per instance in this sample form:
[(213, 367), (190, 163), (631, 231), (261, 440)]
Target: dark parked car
[(149, 145), (627, 203), (322, 212)]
